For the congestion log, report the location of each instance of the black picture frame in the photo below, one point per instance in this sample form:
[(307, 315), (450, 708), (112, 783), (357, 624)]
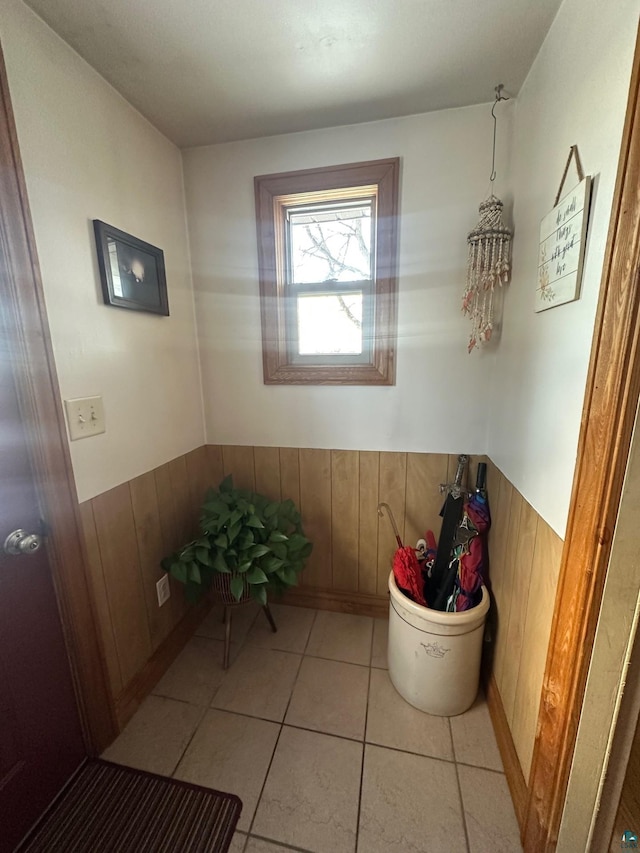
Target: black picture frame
[(132, 272)]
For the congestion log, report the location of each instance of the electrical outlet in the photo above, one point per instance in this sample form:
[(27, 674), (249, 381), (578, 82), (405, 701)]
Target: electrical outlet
[(163, 590)]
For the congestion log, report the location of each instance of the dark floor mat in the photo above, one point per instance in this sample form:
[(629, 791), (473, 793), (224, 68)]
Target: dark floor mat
[(108, 808)]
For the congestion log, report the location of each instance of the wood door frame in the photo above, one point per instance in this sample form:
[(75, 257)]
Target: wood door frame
[(26, 327), (610, 404)]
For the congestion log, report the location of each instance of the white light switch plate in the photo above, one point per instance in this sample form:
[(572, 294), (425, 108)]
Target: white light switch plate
[(85, 416)]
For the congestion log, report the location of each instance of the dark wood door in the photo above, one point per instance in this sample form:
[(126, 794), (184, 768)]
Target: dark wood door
[(40, 737)]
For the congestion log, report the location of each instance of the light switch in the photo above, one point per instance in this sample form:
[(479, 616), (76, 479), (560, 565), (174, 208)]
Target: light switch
[(85, 416)]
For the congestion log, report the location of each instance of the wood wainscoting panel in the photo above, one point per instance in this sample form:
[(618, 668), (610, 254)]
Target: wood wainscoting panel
[(238, 461), (369, 466), (215, 464), (338, 492), (524, 561), (537, 629), (345, 519), (518, 609), (100, 597), (185, 519), (199, 479), (315, 508), (510, 760), (118, 545), (146, 515), (425, 472), (290, 474), (393, 491), (513, 528), (167, 510), (127, 532), (170, 527), (290, 481), (500, 505), (267, 472), (186, 522)]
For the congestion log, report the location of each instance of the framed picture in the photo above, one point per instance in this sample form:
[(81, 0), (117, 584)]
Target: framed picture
[(131, 271)]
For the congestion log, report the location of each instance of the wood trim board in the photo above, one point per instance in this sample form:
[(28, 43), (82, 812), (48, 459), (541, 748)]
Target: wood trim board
[(508, 753), (338, 601), (613, 390), (145, 680)]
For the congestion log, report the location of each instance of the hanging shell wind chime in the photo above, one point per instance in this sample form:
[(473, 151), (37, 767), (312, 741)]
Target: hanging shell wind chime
[(489, 257)]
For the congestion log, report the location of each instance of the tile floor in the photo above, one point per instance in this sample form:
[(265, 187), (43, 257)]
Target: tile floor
[(307, 729)]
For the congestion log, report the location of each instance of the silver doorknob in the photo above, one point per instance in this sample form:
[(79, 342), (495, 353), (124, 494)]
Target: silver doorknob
[(21, 542)]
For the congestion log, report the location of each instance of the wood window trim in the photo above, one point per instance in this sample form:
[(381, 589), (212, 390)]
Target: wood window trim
[(278, 369)]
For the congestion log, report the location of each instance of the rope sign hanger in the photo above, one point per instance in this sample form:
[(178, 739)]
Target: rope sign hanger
[(573, 152), (562, 244)]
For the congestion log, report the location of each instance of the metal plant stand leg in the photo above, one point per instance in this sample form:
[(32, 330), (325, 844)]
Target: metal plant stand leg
[(227, 637), (267, 613)]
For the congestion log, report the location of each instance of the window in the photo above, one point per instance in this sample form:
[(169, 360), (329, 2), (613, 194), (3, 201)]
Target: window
[(327, 249)]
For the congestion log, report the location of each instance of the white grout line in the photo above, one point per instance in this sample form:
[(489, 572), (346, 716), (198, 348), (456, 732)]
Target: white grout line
[(281, 844), (313, 625), (246, 838), (462, 812), (275, 748), (188, 744), (338, 660), (364, 739)]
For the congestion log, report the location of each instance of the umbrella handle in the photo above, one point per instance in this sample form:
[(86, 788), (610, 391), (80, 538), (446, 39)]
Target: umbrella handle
[(455, 489), (481, 478), (392, 520)]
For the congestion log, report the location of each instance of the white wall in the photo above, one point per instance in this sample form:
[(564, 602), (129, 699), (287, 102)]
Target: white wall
[(575, 93), (87, 155), (438, 403)]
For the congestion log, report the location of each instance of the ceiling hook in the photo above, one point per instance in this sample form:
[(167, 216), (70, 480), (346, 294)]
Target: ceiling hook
[(499, 97)]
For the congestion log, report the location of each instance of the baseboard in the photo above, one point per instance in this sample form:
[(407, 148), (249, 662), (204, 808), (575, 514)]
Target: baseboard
[(128, 702), (512, 769), (339, 601)]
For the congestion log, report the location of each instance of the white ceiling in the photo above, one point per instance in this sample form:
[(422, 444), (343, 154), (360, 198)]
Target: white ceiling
[(206, 71)]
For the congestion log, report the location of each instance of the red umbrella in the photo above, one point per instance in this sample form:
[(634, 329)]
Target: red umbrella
[(408, 574), (406, 569)]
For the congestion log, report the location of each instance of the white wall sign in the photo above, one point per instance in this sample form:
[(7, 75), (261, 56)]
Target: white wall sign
[(561, 253)]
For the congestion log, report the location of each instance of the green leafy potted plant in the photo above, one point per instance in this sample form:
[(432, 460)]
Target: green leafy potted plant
[(247, 541)]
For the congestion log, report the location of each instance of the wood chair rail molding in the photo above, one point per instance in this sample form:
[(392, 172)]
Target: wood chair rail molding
[(611, 399), (29, 342)]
